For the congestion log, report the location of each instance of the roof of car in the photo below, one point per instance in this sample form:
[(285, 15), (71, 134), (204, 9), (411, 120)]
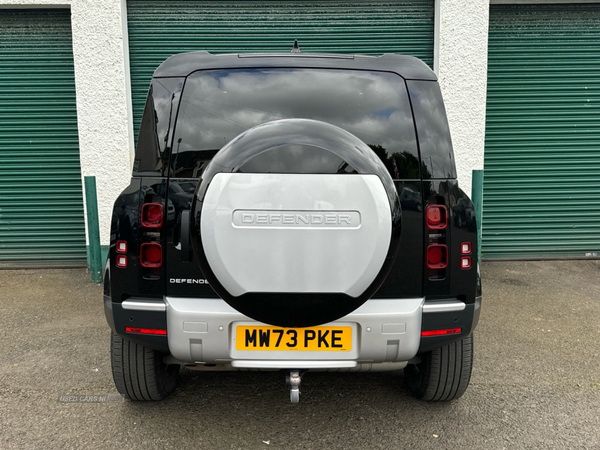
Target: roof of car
[(183, 64)]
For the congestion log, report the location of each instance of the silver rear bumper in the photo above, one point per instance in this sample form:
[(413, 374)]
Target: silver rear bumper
[(203, 331)]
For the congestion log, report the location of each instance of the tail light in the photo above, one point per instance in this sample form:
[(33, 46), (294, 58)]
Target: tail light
[(151, 252), (436, 217), (437, 256), (152, 215), (151, 255)]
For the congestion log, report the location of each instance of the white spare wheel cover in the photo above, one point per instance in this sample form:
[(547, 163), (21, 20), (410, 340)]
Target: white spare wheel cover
[(296, 223), (295, 233)]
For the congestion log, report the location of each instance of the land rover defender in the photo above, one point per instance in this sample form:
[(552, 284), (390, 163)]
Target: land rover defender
[(293, 212)]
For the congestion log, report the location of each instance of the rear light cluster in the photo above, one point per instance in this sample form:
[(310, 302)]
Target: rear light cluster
[(438, 255), (150, 252), (436, 218)]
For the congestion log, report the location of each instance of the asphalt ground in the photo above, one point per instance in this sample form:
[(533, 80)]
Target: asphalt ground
[(535, 383)]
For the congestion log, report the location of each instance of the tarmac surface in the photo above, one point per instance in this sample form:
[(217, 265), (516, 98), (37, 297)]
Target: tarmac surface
[(535, 384)]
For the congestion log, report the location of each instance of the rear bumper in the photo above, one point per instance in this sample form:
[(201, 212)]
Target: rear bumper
[(203, 331)]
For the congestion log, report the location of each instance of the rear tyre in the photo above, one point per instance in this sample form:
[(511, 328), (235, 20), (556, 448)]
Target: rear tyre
[(139, 372), (444, 373)]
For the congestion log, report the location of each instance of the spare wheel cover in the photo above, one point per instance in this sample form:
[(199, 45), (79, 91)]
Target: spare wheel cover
[(296, 223)]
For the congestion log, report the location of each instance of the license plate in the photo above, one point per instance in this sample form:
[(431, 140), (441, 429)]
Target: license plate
[(302, 339)]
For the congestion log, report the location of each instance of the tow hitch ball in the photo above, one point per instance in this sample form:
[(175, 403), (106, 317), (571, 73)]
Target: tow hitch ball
[(292, 381)]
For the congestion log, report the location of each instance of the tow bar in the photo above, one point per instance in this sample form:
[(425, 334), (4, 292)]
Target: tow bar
[(293, 382)]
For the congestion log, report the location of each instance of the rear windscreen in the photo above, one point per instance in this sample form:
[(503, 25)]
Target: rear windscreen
[(218, 105)]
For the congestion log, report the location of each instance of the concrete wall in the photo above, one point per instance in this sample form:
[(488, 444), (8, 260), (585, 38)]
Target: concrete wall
[(104, 103), (460, 61)]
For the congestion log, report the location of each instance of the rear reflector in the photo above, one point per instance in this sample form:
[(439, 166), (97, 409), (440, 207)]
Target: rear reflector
[(152, 215), (151, 254), (437, 256), (465, 262), (121, 261), (465, 248), (436, 217), (145, 331), (121, 246), (441, 332)]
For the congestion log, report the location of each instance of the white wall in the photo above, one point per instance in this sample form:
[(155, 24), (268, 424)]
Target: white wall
[(460, 61), (102, 85), (104, 104)]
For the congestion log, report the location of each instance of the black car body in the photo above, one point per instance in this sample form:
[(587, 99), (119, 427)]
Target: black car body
[(278, 132)]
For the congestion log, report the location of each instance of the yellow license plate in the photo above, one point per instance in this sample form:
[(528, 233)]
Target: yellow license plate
[(303, 339)]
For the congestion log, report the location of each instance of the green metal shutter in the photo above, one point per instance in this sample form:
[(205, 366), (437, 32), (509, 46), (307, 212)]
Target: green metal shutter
[(158, 29), (542, 148), (41, 206)]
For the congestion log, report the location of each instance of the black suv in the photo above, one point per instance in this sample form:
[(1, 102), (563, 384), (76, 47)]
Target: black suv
[(293, 212)]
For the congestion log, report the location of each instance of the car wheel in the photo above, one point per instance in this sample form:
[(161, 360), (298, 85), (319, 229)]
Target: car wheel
[(444, 373), (139, 372)]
